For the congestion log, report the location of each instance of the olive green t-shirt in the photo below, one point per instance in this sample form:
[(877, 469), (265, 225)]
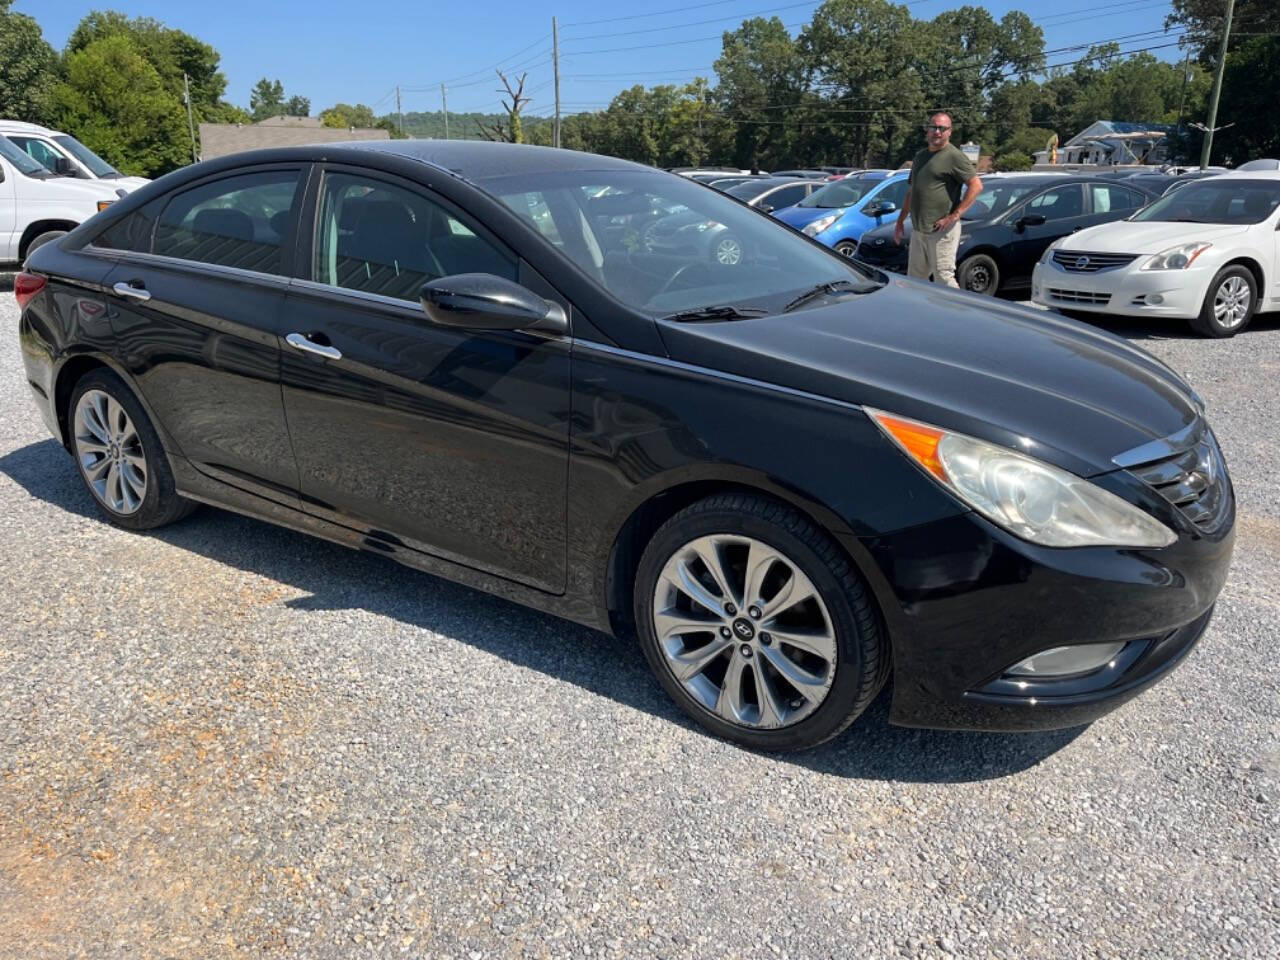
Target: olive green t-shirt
[(937, 180)]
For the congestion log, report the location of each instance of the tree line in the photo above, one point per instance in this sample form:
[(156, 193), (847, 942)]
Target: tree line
[(851, 87)]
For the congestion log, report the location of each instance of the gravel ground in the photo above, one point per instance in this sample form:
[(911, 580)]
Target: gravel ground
[(227, 739)]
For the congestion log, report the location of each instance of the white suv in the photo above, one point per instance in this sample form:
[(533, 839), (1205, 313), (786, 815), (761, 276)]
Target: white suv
[(62, 153), (36, 206)]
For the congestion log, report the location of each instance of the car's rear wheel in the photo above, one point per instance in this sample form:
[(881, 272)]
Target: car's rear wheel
[(979, 274), (757, 624), (727, 251), (1229, 304), (119, 455), (40, 240)]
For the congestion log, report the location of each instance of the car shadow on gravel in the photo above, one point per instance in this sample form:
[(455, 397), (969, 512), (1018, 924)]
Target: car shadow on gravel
[(1155, 328), (331, 577)]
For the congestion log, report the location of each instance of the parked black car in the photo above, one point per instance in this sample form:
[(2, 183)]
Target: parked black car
[(788, 477), (1014, 219)]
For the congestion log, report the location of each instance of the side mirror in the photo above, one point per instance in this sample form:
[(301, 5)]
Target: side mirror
[(63, 168), (1030, 220), (879, 208), (482, 301), (766, 208)]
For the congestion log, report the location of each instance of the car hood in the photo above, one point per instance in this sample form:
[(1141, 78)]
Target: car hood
[(1055, 388), (129, 183), (1125, 236), (73, 189), (798, 216)]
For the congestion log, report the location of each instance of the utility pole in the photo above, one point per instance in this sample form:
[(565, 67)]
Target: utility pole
[(1182, 100), (445, 104), (1217, 88), (555, 66), (191, 124), (398, 110)]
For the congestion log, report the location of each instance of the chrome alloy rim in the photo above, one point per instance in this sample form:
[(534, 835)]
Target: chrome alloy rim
[(1231, 302), (109, 452), (729, 252), (744, 631)]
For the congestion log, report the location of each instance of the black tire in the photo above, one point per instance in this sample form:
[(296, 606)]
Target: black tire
[(160, 504), (979, 274), (862, 650), (847, 248), (1207, 323), (41, 239)]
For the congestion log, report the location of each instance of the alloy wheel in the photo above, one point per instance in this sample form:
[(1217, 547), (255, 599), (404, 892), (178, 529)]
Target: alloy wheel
[(728, 252), (109, 452), (1231, 302), (745, 631)]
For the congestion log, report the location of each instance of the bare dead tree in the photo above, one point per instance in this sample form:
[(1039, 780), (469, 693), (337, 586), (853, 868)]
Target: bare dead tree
[(512, 131)]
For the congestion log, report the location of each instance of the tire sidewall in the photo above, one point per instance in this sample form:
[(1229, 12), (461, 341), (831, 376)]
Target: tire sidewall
[(848, 245), (157, 501), (39, 241), (979, 259), (1208, 323), (833, 714)]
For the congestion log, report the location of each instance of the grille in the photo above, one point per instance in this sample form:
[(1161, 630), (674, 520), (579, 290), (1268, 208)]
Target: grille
[(1080, 262), (1079, 296), (1193, 480)]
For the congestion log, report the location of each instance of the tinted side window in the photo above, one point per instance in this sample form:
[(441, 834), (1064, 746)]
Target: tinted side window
[(1108, 197), (235, 222), (38, 150), (384, 239), (894, 193), (133, 233), (786, 196), (1058, 203)]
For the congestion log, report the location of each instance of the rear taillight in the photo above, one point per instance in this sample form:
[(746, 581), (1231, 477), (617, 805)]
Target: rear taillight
[(26, 286)]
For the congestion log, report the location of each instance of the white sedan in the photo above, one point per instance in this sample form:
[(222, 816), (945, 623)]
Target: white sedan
[(1208, 253)]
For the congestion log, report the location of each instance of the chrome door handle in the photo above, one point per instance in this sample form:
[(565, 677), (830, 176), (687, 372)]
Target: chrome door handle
[(123, 289), (302, 343)]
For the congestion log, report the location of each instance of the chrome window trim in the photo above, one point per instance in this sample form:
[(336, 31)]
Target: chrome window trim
[(199, 266)]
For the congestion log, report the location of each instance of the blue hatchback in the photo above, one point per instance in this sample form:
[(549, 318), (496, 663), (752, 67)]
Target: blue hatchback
[(842, 211)]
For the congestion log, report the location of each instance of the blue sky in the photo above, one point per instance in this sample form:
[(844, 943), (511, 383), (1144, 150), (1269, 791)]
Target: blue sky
[(332, 52)]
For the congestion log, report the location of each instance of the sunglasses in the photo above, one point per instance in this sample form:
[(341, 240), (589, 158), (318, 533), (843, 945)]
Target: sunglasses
[(935, 128)]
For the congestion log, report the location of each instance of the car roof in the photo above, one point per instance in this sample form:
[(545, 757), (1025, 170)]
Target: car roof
[(482, 160), (1248, 175), (21, 126)]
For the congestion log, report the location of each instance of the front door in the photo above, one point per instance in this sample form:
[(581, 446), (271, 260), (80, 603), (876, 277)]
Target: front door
[(1063, 210), (449, 441), (195, 301)]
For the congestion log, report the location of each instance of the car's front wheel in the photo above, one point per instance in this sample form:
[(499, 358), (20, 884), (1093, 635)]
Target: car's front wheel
[(1229, 304), (757, 624), (847, 248), (119, 455), (727, 251)]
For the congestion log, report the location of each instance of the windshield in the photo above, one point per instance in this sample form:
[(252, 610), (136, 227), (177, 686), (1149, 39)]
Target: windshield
[(97, 166), (996, 198), (841, 193), (662, 245), (19, 158), (1216, 200)]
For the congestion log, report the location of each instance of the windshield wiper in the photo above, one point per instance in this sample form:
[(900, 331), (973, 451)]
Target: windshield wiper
[(723, 312), (830, 288)]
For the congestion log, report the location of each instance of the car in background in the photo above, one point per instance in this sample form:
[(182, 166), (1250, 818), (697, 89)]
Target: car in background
[(37, 206), (774, 193), (1013, 221), (839, 213), (724, 183), (1208, 254), (64, 155), (803, 174)]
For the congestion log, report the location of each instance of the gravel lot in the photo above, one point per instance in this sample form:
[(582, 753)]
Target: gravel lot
[(227, 739)]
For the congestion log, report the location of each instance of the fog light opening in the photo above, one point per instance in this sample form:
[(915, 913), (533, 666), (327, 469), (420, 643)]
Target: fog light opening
[(1061, 662)]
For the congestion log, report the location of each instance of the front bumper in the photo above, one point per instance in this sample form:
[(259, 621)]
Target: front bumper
[(970, 601), (1125, 291)]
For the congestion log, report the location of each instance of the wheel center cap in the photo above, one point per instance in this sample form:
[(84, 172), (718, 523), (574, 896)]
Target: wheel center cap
[(743, 629)]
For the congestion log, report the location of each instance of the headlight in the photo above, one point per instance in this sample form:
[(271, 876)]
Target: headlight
[(1177, 258), (103, 204), (1048, 251), (1027, 497), (817, 226)]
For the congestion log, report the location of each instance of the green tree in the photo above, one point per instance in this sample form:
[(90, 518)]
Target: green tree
[(266, 99), (28, 68), (116, 102), (1244, 96), (297, 106), (343, 115), (761, 76)]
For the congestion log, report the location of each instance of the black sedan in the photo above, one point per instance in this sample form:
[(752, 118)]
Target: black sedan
[(789, 478), (1015, 218)]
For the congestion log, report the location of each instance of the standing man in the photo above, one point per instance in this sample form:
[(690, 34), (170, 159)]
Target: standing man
[(934, 201)]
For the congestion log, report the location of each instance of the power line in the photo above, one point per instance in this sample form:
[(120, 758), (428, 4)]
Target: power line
[(693, 23)]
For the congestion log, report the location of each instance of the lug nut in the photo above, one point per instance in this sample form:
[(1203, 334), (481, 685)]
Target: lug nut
[(766, 639), (730, 609), (745, 650), (753, 613), (724, 632)]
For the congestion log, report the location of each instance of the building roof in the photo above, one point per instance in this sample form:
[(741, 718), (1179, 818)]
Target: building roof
[(221, 139)]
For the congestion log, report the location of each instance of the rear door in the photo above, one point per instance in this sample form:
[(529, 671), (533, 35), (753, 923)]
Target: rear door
[(449, 441), (1111, 201), (195, 304)]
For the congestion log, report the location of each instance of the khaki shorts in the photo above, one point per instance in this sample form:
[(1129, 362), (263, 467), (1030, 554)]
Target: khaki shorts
[(934, 254)]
